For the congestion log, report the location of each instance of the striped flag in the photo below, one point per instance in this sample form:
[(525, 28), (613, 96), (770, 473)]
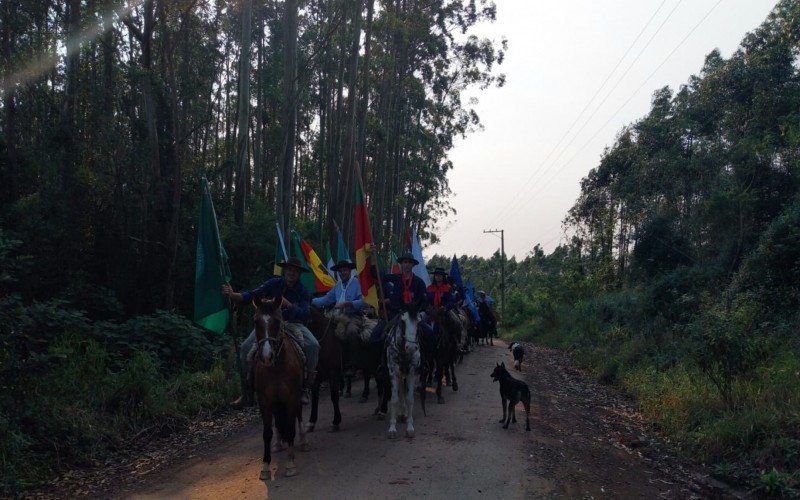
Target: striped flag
[(363, 249), (420, 269), (318, 280)]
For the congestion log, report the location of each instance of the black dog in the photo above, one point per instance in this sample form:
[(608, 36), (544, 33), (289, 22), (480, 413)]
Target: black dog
[(519, 352), (513, 391)]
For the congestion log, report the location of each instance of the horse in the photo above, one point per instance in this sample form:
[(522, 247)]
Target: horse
[(403, 361), (278, 381), (488, 323), (443, 354), (329, 367)]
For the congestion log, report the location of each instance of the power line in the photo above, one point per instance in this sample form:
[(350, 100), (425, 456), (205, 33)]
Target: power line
[(671, 53), (591, 100), (664, 61)]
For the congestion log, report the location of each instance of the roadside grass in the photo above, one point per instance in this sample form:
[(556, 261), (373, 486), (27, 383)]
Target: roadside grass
[(79, 407), (754, 440)]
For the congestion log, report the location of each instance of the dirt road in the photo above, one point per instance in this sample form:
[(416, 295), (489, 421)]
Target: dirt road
[(585, 442)]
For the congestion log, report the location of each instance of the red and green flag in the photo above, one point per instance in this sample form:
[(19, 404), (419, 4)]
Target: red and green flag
[(369, 288)]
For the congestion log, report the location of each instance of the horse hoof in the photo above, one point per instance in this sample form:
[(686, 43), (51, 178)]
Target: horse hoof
[(392, 434), (278, 449), (409, 433), (363, 399), (380, 416), (290, 471), (455, 387), (440, 400), (264, 476), (334, 428)]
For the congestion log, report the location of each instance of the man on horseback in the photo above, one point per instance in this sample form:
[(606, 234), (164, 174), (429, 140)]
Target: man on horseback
[(405, 288), (440, 292), (348, 306), (295, 304)]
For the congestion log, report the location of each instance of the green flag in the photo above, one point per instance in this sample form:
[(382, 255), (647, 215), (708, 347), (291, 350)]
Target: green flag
[(211, 268), (307, 279)]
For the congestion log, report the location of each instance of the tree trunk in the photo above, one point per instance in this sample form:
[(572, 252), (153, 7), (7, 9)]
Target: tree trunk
[(242, 166), (285, 177)]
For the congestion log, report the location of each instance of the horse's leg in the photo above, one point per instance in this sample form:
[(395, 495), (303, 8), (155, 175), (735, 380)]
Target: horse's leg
[(411, 382), (367, 376), (312, 419), (439, 374), (393, 406), (453, 374), (348, 386), (304, 446), (266, 417), (291, 416), (337, 415)]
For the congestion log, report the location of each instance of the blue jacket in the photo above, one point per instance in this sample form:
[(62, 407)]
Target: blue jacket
[(395, 296), (297, 295), (343, 293)]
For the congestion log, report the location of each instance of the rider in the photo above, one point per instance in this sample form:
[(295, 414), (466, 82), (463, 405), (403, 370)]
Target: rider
[(348, 305), (440, 292), (406, 288), (345, 296), (296, 300)]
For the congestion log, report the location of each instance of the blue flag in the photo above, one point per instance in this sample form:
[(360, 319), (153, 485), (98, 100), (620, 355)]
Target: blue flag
[(455, 273), (470, 297), (341, 250)]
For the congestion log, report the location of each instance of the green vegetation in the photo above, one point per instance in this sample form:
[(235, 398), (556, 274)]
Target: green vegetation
[(680, 278), (110, 113)]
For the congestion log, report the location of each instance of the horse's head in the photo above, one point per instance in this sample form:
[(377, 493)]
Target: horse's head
[(268, 316), (409, 316)]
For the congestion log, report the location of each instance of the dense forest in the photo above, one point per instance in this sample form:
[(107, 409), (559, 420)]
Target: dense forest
[(113, 110), (678, 276)]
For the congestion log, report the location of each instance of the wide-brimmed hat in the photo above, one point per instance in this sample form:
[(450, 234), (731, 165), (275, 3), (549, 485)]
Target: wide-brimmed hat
[(439, 270), (295, 263), (408, 257), (343, 263)]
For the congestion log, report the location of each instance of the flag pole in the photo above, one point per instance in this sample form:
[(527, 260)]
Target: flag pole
[(373, 256)]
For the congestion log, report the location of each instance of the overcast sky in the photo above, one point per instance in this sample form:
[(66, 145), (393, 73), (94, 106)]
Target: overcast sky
[(522, 172)]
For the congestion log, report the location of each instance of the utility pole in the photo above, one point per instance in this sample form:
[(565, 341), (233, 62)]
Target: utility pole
[(502, 268)]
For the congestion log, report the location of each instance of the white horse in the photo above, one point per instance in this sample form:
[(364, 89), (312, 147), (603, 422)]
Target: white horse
[(403, 359)]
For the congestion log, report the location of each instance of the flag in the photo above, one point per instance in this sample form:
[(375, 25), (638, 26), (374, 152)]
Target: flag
[(420, 269), (329, 260), (455, 272), (394, 266), (341, 250), (368, 283), (280, 252), (470, 295), (211, 268), (318, 280), (407, 245)]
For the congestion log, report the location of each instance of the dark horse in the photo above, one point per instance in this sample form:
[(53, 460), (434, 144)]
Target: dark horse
[(488, 323), (329, 367), (278, 381), (445, 351)]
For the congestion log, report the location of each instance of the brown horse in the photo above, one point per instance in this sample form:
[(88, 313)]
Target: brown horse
[(329, 367), (445, 352), (278, 381)]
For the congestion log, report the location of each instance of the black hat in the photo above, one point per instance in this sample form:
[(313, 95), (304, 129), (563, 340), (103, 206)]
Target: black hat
[(407, 256), (440, 270), (343, 263), (293, 262)]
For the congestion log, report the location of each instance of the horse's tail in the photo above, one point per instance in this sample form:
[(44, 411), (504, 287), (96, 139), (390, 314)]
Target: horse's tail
[(284, 423)]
